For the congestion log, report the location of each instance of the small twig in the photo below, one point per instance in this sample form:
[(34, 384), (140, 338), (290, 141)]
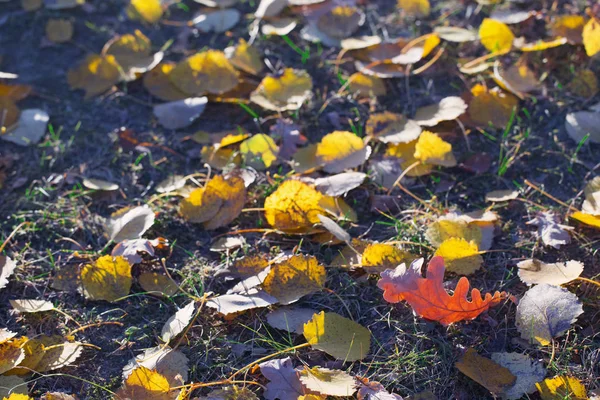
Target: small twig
[(97, 324), (588, 281), (548, 195), (12, 234)]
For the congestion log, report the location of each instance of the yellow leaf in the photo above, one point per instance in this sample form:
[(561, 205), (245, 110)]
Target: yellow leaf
[(366, 85), (259, 151), (250, 265), (591, 37), (561, 387), (517, 79), (285, 92), (146, 384), (491, 107), (295, 207), (568, 26), (220, 158), (149, 11), (246, 58), (486, 372), (348, 257), (18, 396), (133, 52), (158, 83), (109, 278), (293, 278), (341, 21), (95, 75), (206, 72), (587, 219), (442, 230), (217, 204), (11, 354), (540, 45), (460, 256), (377, 257), (341, 150), (338, 336), (495, 36), (431, 149), (417, 8), (406, 152), (59, 30)]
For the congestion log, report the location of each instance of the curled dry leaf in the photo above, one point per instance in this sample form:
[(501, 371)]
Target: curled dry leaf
[(427, 296), (295, 206), (510, 16), (339, 184), (337, 336), (108, 278), (178, 322), (373, 390), (270, 8), (130, 249), (550, 231), (237, 302), (172, 364), (393, 128), (129, 223), (133, 53), (217, 204), (587, 219), (501, 195), (96, 74), (494, 377), (448, 109), (591, 204), (171, 184), (206, 72), (454, 34), (7, 268), (293, 278), (546, 312), (535, 272), (291, 319), (284, 382), (287, 91), (289, 136), (47, 353), (328, 382), (144, 383), (31, 305), (527, 371), (562, 387), (181, 113)]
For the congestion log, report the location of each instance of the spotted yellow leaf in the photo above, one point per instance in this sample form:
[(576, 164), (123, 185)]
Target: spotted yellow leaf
[(293, 278), (283, 92), (460, 256), (259, 151), (108, 278), (377, 257), (144, 383), (206, 72), (591, 37), (561, 387)]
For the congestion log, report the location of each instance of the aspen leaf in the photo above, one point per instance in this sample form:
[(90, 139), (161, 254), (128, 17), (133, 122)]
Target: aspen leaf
[(329, 382), (206, 72), (178, 322), (491, 107), (57, 396), (7, 268), (217, 21), (341, 21), (172, 364), (377, 257), (339, 184), (494, 377), (283, 92), (158, 83), (293, 278), (501, 195), (549, 230), (427, 296), (365, 85), (217, 3), (291, 319), (451, 226), (360, 42), (568, 26), (587, 219), (270, 8), (249, 266), (561, 387), (527, 371), (129, 223), (217, 204), (583, 123), (416, 8), (31, 305), (99, 184), (373, 390), (157, 284), (233, 392), (59, 30), (510, 16), (455, 34), (96, 74), (108, 278), (517, 79), (130, 249), (460, 256), (10, 112), (149, 11), (259, 151), (237, 302), (337, 336), (393, 128), (495, 36), (133, 53), (18, 396), (591, 37), (448, 109), (12, 384), (535, 272), (180, 113), (341, 150), (591, 204), (279, 27), (245, 57), (540, 45), (11, 354), (431, 149), (337, 231), (5, 335), (57, 353), (546, 312), (284, 383), (144, 383), (584, 84), (30, 128)]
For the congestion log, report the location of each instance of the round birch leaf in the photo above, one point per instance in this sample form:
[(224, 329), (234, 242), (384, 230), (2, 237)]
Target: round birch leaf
[(527, 371), (291, 319), (328, 382), (535, 272)]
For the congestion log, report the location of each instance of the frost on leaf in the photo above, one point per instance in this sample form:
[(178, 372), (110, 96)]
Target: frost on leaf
[(427, 296)]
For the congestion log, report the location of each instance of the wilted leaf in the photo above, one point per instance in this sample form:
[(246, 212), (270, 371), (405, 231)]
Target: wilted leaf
[(337, 336), (448, 109), (172, 364), (217, 204), (366, 85), (329, 382), (494, 377), (108, 278), (29, 129), (259, 151), (584, 84), (283, 92), (178, 322), (291, 319), (501, 195), (561, 387), (147, 384), (527, 371), (582, 123), (157, 284), (245, 57), (535, 272), (416, 8), (96, 74), (284, 383), (427, 296), (495, 36), (491, 107), (460, 256), (158, 83), (133, 53), (546, 312), (591, 37), (31, 305), (181, 113), (568, 26), (59, 30), (130, 249), (234, 303), (206, 72), (339, 184), (149, 11), (11, 354), (510, 16), (550, 231), (293, 278), (374, 390), (334, 229), (388, 127), (517, 79), (7, 268), (129, 223), (341, 21), (57, 353)]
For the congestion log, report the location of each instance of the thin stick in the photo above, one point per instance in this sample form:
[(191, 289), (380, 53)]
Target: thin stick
[(265, 358), (548, 195), (588, 281), (82, 328), (12, 234)]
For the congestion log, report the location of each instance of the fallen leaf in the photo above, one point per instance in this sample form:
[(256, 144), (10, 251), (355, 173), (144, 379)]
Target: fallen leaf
[(416, 8), (337, 231), (31, 305), (584, 84), (583, 123), (181, 113), (99, 184), (172, 364), (545, 312), (206, 72), (234, 303), (108, 278), (561, 387), (230, 393), (290, 319), (62, 4), (510, 16), (329, 382), (489, 374), (591, 204), (377, 257), (365, 85), (527, 371), (337, 336), (549, 230), (568, 26), (591, 37), (454, 225), (341, 21), (460, 256), (29, 129), (293, 278), (12, 385), (535, 272), (288, 133), (455, 34), (144, 383), (158, 83), (245, 57), (339, 184), (517, 79), (341, 150), (149, 11), (427, 296), (284, 382), (129, 223), (96, 74), (587, 219), (178, 322), (129, 249), (11, 354), (280, 27), (59, 30), (373, 390), (495, 36), (431, 149), (270, 8), (501, 195), (491, 107), (259, 151), (17, 396), (448, 109), (287, 91), (133, 53), (7, 268), (217, 21), (158, 284), (393, 128)]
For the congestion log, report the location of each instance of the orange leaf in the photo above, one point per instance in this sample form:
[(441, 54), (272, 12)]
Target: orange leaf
[(427, 296)]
